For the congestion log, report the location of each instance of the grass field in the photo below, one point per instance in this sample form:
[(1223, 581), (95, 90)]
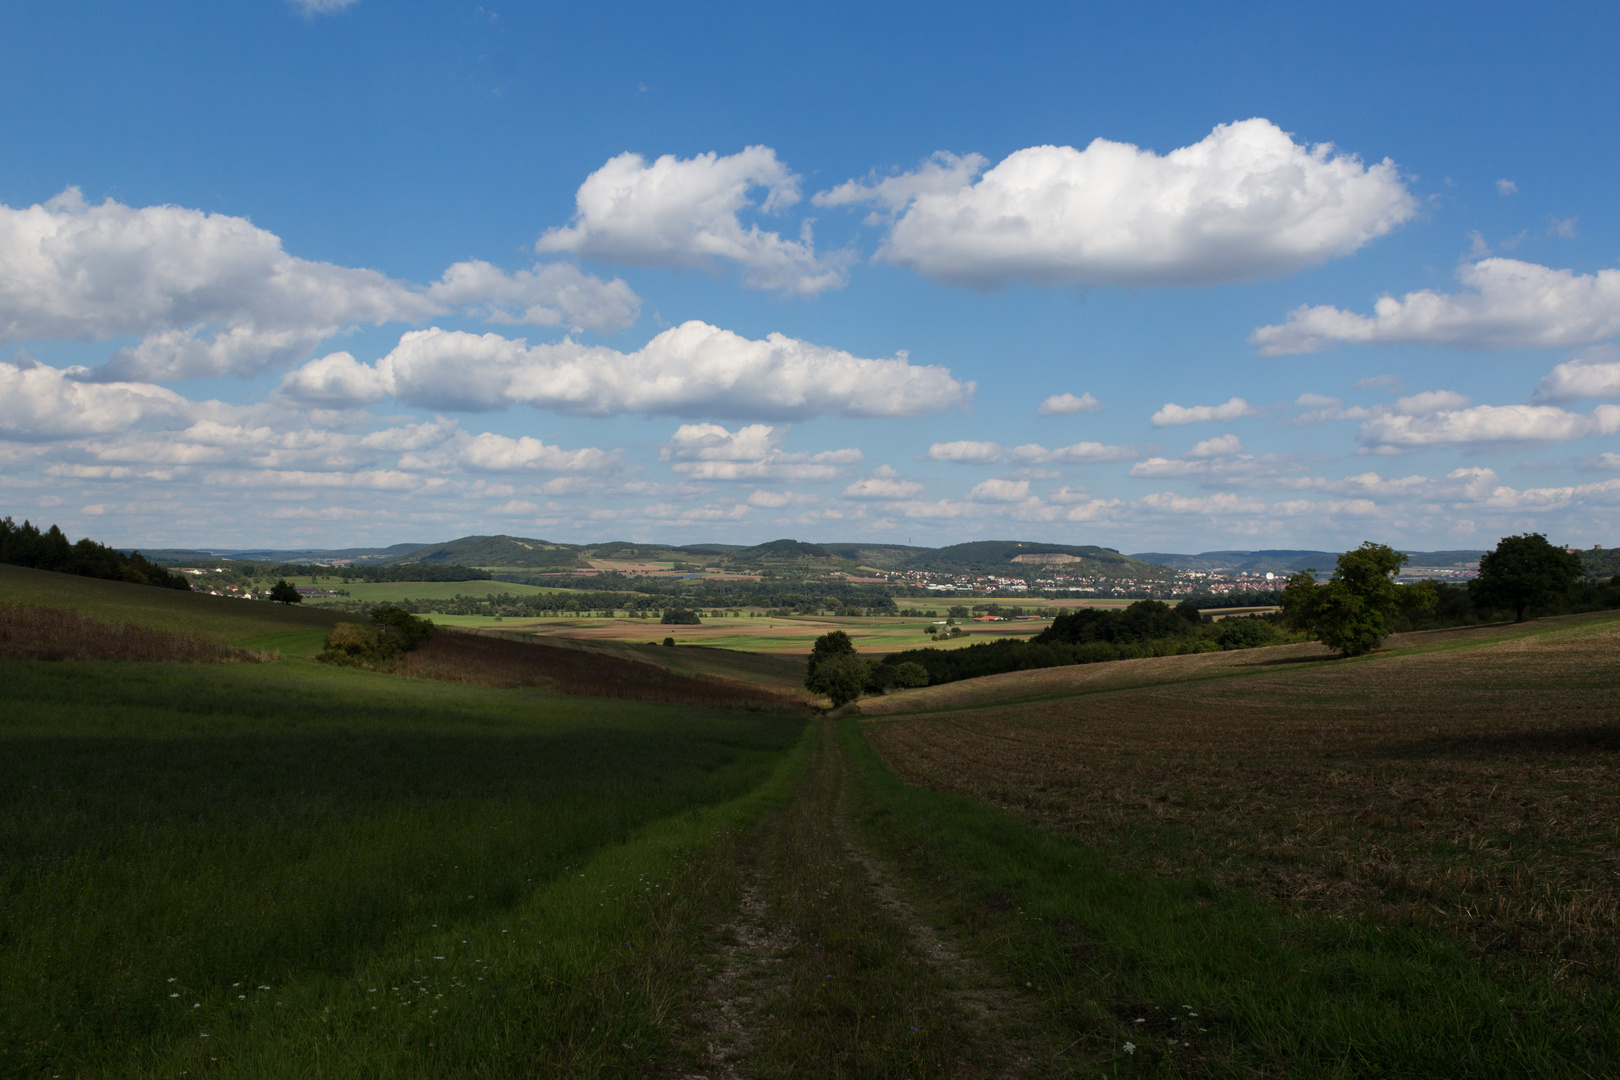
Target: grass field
[(1265, 863), (213, 618), (289, 869)]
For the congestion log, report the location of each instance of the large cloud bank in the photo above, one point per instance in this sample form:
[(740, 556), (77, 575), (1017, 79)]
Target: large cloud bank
[(690, 370), (1246, 201), (211, 294)]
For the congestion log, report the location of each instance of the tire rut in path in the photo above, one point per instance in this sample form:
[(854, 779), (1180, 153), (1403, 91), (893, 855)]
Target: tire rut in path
[(827, 962)]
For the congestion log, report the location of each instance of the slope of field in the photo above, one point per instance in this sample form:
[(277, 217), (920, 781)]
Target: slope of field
[(211, 618), (1464, 783), (288, 869)]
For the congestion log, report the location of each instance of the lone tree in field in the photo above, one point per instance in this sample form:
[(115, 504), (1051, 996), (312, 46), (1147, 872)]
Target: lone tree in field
[(834, 669), (283, 592), (1524, 572), (1353, 611)]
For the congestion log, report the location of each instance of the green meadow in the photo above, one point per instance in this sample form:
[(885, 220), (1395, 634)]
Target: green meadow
[(290, 869)]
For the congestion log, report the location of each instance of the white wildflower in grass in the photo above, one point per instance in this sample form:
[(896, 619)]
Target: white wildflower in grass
[(1130, 1048)]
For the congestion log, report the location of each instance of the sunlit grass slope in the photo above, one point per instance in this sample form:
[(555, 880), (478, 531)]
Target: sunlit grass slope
[(212, 618), (287, 869)]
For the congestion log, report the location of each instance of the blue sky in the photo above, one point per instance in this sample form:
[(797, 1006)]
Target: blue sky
[(297, 274)]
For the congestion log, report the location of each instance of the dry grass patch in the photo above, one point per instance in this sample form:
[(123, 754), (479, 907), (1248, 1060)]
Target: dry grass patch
[(42, 633), (1471, 786)]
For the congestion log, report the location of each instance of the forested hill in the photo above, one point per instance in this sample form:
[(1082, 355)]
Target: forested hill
[(495, 551), (1290, 561), (1018, 558)]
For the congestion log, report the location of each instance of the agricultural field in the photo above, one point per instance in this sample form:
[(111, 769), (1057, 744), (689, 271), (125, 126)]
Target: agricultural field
[(780, 634), (1462, 788)]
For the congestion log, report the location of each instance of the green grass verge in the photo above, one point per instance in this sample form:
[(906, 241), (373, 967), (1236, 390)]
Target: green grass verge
[(1139, 975), (429, 879)]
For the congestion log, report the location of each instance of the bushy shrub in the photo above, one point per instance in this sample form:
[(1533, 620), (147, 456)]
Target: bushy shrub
[(392, 633), (1247, 632), (910, 675), (680, 617)]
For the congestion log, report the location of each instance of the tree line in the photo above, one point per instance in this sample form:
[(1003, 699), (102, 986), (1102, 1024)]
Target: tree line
[(1353, 612), (26, 545)]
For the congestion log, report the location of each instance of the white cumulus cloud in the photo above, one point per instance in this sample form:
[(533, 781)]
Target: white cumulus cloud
[(711, 452), (550, 294), (882, 487), (1172, 415), (1245, 201), (1596, 375), (680, 213), (688, 370), (1004, 491), (1509, 305), (41, 402), (211, 294), (1065, 404), (966, 452), (1485, 424), (971, 452)]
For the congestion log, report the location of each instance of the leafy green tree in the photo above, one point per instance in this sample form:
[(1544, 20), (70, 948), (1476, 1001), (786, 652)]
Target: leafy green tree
[(834, 669), (400, 626), (1354, 611), (841, 678), (680, 617), (910, 675), (283, 592), (1524, 572)]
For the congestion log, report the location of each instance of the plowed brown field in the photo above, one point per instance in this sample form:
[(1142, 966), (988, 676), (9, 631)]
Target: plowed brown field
[(1465, 781)]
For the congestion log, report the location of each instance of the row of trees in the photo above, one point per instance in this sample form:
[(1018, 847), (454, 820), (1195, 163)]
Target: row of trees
[(1356, 609), (27, 545)]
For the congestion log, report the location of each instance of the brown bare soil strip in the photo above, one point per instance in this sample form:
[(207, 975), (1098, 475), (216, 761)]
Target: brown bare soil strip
[(42, 633), (491, 660), (1473, 788)]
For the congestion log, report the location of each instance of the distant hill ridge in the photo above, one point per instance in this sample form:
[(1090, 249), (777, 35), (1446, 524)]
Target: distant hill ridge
[(1290, 561), (1013, 558)]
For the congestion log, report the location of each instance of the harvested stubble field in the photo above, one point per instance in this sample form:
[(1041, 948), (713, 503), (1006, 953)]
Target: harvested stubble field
[(1465, 782), (28, 632), (488, 659)]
